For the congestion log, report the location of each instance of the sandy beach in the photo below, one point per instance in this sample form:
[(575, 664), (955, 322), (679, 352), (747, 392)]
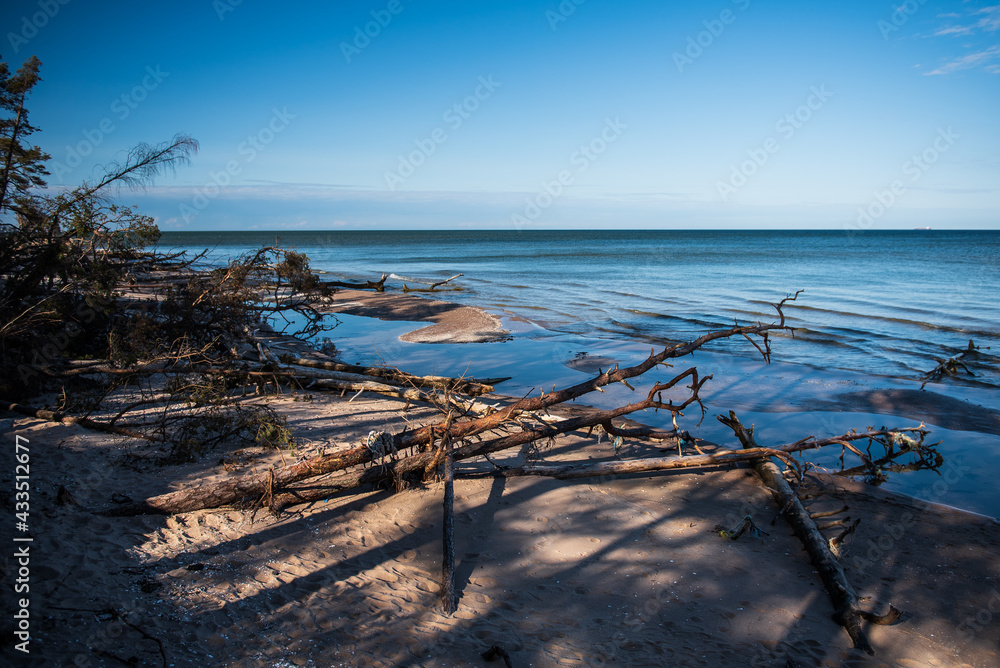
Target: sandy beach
[(567, 334), (627, 571)]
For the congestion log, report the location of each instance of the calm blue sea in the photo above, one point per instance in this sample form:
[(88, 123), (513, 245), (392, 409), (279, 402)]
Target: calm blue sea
[(878, 308), (883, 303)]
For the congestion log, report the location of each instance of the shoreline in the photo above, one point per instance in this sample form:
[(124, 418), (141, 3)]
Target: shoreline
[(775, 394), (588, 572)]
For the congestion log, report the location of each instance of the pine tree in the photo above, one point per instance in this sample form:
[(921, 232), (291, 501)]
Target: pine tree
[(22, 166), (61, 263)]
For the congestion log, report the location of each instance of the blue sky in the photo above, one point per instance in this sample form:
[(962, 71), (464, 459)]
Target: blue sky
[(412, 114)]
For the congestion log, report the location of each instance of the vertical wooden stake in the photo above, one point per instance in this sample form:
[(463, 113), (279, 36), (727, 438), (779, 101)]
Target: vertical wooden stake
[(448, 562)]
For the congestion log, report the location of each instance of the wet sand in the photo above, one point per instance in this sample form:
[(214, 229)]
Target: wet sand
[(453, 323)]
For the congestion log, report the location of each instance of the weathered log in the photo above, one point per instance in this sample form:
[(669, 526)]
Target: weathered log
[(228, 491), (217, 494), (319, 490), (465, 429), (86, 423), (378, 286), (411, 393), (847, 612), (569, 470), (469, 386), (255, 484), (333, 381)]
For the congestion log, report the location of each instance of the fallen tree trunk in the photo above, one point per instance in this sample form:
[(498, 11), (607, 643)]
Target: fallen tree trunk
[(257, 484), (391, 471), (86, 423), (528, 434), (378, 286), (570, 470), (469, 386), (469, 428), (339, 372), (234, 489), (339, 381), (847, 611), (228, 491)]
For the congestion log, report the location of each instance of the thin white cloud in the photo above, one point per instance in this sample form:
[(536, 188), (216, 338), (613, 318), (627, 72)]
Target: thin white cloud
[(992, 20), (983, 58), (954, 30), (989, 23)]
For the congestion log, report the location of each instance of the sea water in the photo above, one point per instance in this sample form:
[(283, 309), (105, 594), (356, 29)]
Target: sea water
[(877, 310), (886, 303)]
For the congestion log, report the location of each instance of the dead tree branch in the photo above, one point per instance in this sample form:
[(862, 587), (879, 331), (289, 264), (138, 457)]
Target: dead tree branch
[(433, 285), (847, 611), (950, 366), (86, 423)]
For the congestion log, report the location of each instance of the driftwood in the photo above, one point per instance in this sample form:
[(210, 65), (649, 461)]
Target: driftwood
[(233, 489), (86, 423), (378, 286), (277, 484), (847, 611), (391, 471), (419, 463), (433, 285), (571, 470), (950, 366), (469, 386)]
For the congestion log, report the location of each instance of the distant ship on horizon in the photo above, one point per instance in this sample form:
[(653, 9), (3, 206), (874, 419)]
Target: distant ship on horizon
[(921, 228)]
